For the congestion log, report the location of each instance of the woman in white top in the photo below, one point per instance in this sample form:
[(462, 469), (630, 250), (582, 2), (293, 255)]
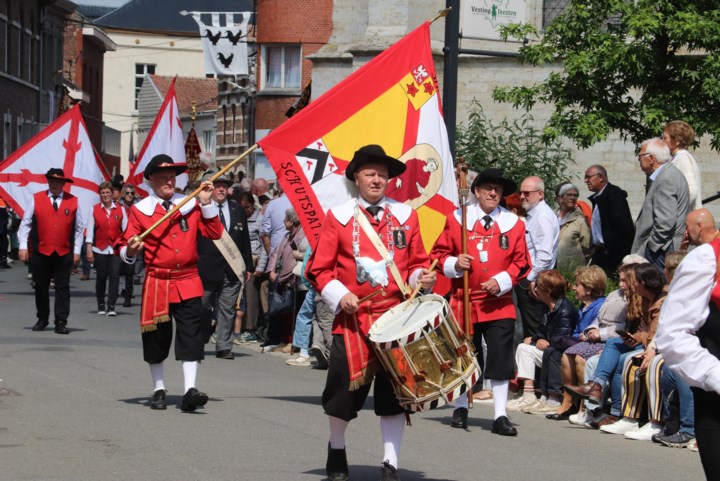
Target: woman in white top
[(678, 135)]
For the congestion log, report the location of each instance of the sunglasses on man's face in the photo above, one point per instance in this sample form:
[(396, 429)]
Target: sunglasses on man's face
[(130, 192)]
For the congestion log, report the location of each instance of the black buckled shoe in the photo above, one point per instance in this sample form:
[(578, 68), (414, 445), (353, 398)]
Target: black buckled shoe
[(40, 325), (336, 466), (61, 327), (158, 400), (503, 427), (460, 418), (388, 472), (192, 400)]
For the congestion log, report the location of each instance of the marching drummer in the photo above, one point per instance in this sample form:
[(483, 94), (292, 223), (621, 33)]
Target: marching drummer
[(173, 289), (497, 259), (368, 244)]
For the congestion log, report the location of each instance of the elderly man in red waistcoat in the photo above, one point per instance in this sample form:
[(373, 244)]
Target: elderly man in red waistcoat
[(173, 289), (497, 260), (53, 221)]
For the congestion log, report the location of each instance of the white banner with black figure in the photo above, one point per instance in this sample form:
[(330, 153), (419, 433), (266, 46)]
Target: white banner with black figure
[(224, 46)]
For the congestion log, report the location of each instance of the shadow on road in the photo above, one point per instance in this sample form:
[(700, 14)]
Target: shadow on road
[(373, 472)]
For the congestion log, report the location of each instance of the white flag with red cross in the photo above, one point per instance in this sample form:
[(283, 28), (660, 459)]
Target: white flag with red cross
[(63, 144), (166, 137)]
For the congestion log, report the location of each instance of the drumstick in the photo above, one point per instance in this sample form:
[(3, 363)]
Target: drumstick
[(369, 296), (419, 286)]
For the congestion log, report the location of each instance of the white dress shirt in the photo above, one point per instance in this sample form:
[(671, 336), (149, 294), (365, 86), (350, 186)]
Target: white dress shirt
[(684, 312), (542, 233)]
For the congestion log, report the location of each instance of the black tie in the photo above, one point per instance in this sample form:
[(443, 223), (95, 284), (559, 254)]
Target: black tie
[(487, 220), (55, 202), (222, 216), (167, 204), (374, 210)]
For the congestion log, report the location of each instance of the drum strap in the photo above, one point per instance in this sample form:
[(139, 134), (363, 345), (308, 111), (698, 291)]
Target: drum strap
[(382, 250)]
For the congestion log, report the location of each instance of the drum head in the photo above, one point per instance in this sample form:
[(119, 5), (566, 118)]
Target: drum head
[(407, 318)]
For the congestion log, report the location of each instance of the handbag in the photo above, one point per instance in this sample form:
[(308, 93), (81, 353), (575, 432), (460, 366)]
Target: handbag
[(280, 302)]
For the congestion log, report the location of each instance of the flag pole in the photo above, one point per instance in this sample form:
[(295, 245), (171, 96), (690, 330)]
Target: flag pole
[(441, 13), (463, 190), (194, 194)]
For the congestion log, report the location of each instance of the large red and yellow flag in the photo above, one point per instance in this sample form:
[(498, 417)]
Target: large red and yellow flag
[(392, 101)]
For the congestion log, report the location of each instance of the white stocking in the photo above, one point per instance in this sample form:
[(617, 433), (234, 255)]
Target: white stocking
[(500, 395), (157, 371), (392, 428), (190, 369), (337, 432)]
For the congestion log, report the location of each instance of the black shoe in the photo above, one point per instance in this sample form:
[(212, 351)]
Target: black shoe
[(127, 303), (158, 400), (503, 427), (321, 360), (226, 354), (388, 472), (61, 328), (193, 399), (460, 418), (563, 416), (101, 309), (336, 466), (40, 325)]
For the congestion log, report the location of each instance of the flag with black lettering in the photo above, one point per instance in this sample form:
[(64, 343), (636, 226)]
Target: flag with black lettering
[(392, 101)]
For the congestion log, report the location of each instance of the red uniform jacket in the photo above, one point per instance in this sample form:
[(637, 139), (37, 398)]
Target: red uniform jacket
[(108, 229), (333, 272), (170, 252), (55, 230), (508, 261)]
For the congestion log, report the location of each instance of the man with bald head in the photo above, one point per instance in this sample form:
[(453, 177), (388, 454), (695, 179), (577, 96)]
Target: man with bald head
[(612, 224), (542, 233), (661, 222), (699, 228)]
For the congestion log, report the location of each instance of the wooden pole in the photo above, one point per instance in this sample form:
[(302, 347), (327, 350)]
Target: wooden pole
[(194, 194), (461, 170)]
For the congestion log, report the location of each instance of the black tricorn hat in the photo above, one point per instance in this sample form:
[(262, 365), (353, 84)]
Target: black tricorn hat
[(494, 176), (373, 154), (163, 161), (58, 174)]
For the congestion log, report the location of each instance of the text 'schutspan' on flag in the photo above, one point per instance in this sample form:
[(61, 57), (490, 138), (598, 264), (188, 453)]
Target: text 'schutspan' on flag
[(392, 101), (224, 46), (62, 144), (165, 137)]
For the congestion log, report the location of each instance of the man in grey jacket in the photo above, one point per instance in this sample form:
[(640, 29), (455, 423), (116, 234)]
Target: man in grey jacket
[(660, 225)]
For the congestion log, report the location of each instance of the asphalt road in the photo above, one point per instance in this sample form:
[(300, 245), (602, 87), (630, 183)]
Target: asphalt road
[(76, 408)]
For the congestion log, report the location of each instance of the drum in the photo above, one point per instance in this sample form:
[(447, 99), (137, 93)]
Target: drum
[(426, 355)]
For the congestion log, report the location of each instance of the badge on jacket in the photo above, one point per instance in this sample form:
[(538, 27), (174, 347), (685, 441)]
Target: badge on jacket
[(67, 211), (399, 238), (504, 242), (184, 225)]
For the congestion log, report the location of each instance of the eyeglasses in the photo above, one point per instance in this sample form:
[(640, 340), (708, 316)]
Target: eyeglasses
[(489, 188), (129, 192), (640, 156), (588, 177), (526, 193)]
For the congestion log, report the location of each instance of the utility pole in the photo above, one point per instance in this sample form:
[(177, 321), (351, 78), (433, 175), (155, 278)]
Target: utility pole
[(450, 69)]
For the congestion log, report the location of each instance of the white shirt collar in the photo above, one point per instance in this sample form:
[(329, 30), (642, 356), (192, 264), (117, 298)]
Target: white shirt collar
[(147, 205), (654, 175), (344, 212)]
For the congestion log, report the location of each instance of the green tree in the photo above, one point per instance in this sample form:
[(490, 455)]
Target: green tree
[(517, 147), (626, 66)]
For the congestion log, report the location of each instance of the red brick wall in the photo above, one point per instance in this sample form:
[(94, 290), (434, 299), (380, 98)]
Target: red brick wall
[(307, 22)]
